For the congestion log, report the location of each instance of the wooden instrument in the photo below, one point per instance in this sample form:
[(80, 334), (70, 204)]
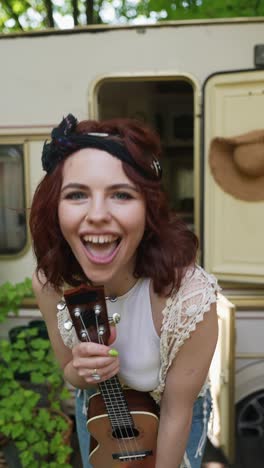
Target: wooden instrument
[(123, 422)]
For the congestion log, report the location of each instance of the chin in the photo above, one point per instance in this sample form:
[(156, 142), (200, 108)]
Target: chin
[(99, 279)]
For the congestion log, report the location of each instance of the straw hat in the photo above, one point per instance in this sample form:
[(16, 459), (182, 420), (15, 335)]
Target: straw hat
[(237, 165)]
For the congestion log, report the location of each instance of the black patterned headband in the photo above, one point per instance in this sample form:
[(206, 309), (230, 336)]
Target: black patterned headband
[(64, 141)]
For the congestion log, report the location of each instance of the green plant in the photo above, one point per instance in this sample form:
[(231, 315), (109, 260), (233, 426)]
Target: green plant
[(38, 432), (11, 296)]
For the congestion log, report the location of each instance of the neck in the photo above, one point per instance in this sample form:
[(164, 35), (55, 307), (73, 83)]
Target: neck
[(116, 288)]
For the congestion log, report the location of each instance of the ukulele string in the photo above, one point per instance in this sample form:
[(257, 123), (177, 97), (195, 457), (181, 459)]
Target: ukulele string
[(118, 418), (88, 338), (131, 439)]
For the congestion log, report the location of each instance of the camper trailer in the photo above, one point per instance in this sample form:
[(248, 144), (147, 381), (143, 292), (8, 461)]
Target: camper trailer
[(192, 81)]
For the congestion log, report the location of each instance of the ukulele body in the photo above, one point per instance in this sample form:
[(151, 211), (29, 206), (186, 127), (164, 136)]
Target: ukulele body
[(104, 446)]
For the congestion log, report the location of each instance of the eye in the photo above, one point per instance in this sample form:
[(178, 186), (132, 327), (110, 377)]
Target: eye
[(75, 195), (122, 196)]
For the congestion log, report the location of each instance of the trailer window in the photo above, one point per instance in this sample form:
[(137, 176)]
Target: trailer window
[(13, 232)]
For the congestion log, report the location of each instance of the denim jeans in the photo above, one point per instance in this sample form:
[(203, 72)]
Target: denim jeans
[(81, 419), (197, 437), (196, 441)]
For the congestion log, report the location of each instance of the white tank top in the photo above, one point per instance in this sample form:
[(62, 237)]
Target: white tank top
[(137, 340)]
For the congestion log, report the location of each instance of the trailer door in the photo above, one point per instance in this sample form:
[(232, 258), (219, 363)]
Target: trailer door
[(233, 229), (222, 377)]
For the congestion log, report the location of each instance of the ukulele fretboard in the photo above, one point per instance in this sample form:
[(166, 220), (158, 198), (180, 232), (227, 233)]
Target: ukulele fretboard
[(116, 405)]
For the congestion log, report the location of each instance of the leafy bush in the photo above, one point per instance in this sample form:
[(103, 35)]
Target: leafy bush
[(39, 433), (12, 295)]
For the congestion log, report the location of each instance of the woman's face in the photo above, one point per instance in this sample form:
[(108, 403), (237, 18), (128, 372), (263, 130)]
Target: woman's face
[(102, 217)]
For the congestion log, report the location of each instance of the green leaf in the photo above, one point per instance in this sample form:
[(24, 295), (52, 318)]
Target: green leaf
[(21, 445), (27, 459), (32, 436), (37, 378), (17, 417), (40, 354), (17, 430)]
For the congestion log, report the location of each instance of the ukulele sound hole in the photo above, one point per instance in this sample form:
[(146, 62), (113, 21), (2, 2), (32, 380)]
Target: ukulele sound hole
[(125, 433)]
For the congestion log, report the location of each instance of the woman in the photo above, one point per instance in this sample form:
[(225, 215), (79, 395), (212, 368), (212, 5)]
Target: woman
[(99, 216)]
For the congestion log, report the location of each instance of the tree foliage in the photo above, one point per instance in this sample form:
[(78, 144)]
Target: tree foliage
[(19, 15), (197, 9)]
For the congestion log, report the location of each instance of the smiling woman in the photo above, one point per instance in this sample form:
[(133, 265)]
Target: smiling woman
[(102, 222), (100, 218)]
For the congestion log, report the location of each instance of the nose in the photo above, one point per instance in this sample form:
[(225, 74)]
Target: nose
[(98, 211)]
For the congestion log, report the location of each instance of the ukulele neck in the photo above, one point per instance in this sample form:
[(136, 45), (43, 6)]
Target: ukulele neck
[(115, 402)]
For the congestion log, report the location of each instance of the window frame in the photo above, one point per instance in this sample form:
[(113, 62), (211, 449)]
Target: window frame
[(20, 140)]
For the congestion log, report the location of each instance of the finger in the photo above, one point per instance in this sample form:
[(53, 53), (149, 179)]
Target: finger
[(112, 335), (90, 349), (97, 362), (104, 373)]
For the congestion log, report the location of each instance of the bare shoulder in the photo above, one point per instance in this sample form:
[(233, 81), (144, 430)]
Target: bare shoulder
[(46, 296), (47, 299)]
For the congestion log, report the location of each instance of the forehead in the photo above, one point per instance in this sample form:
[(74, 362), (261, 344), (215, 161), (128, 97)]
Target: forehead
[(90, 163)]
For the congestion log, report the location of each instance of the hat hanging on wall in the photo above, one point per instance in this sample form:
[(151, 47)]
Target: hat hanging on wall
[(237, 165)]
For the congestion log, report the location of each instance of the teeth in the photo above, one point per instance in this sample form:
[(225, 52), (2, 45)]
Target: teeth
[(101, 239)]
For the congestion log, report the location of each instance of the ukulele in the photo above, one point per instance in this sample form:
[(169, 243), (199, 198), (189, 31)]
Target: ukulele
[(123, 423)]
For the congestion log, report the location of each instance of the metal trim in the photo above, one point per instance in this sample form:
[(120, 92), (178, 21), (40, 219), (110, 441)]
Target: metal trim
[(99, 28)]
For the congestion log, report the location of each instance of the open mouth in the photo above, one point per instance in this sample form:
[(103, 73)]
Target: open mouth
[(101, 248)]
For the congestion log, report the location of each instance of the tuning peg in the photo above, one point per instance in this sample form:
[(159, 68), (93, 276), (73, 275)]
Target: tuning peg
[(115, 319), (68, 325), (84, 335), (77, 311), (101, 330), (97, 309), (61, 305)]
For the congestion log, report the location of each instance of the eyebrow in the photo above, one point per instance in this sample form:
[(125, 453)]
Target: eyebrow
[(110, 187)]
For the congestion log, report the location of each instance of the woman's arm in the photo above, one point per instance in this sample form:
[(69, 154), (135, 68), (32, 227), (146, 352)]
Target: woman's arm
[(184, 381), (79, 363)]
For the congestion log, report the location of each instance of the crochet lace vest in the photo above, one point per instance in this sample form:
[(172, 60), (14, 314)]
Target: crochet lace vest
[(184, 309)]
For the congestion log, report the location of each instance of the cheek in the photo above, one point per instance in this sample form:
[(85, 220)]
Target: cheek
[(66, 220), (137, 225)]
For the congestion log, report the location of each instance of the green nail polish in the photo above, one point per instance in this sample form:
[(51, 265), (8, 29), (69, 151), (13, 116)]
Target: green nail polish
[(113, 352)]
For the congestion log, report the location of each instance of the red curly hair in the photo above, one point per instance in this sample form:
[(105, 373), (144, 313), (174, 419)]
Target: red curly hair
[(168, 247)]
